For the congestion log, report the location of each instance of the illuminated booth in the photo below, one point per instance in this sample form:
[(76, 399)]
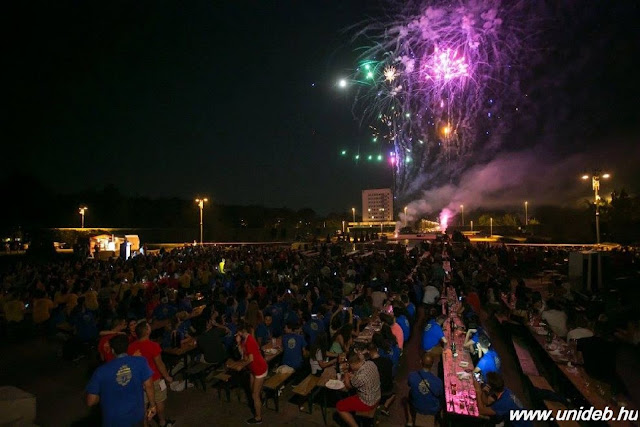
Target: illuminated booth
[(105, 246)]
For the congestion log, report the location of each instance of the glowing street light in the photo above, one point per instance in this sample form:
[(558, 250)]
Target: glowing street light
[(462, 215), (353, 213), (595, 184), (82, 210), (491, 226), (342, 83), (526, 213), (201, 203)]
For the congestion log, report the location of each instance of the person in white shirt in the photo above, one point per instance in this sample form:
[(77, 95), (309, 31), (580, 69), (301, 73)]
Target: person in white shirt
[(431, 295)]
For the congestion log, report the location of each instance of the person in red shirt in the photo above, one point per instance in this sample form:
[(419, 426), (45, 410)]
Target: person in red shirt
[(257, 366), (151, 351), (104, 348)]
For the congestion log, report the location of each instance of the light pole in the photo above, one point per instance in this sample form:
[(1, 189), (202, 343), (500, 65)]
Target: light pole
[(342, 227), (405, 216), (201, 203), (353, 213), (462, 214), (526, 213), (491, 227), (471, 225), (82, 210), (595, 184)]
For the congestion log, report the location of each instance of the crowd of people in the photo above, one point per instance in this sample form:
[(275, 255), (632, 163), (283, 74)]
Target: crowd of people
[(315, 303)]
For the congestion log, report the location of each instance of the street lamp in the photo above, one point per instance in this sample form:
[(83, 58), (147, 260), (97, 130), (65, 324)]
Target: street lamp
[(353, 213), (82, 210), (201, 203), (491, 226), (595, 184), (405, 216), (462, 214), (526, 213), (471, 225)]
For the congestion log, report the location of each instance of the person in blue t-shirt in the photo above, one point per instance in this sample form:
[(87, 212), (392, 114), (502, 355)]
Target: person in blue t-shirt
[(433, 334), (490, 362), (293, 347), (84, 322), (164, 310), (119, 386), (409, 306), (401, 319), (312, 328), (425, 391), (264, 330), (495, 400), (277, 316)]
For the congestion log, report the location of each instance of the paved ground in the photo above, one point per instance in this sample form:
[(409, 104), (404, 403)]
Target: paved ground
[(36, 367)]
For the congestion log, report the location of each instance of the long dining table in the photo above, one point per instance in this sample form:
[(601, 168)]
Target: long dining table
[(460, 394)]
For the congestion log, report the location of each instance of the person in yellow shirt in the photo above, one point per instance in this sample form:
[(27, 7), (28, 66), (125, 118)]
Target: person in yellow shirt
[(185, 280), (42, 306), (91, 300), (14, 309)]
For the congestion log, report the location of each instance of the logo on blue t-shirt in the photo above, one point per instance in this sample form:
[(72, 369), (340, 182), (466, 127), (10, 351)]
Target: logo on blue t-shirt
[(423, 386), (123, 376), (291, 343)]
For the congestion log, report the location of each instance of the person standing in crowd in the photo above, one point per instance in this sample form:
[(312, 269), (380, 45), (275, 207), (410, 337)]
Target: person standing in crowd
[(431, 295), (364, 378), (211, 343), (257, 367), (104, 347), (152, 352), (425, 391), (119, 386), (497, 401)]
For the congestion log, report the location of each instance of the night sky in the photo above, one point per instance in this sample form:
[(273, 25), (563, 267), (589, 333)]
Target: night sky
[(237, 100)]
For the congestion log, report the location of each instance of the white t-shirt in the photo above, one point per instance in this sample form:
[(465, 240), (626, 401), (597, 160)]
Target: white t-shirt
[(577, 333), (431, 295), (557, 321), (315, 366)]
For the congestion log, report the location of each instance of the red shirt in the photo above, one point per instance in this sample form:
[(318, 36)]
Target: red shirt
[(474, 302), (259, 365), (149, 350), (105, 349)]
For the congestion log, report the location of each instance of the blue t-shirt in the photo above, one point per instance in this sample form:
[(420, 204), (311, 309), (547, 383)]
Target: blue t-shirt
[(404, 324), (119, 384), (86, 327), (312, 328), (292, 345), (506, 403), (164, 311), (490, 362), (263, 331), (425, 392), (393, 355), (278, 319), (411, 309), (432, 335)]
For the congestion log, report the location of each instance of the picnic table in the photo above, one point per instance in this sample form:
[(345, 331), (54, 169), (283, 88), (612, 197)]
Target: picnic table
[(183, 351), (460, 394), (157, 324), (270, 351), (597, 393)]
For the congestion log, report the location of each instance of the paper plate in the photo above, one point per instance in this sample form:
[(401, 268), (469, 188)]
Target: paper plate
[(270, 351), (335, 385)]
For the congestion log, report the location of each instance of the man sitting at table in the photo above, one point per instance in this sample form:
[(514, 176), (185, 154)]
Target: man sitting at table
[(433, 336), (264, 330), (211, 343), (490, 362), (362, 376), (293, 347), (385, 370), (495, 400), (425, 391)]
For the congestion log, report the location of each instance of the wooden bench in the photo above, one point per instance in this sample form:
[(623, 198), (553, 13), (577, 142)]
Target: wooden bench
[(221, 381), (422, 420), (527, 365), (306, 388), (367, 418), (272, 386), (541, 382)]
